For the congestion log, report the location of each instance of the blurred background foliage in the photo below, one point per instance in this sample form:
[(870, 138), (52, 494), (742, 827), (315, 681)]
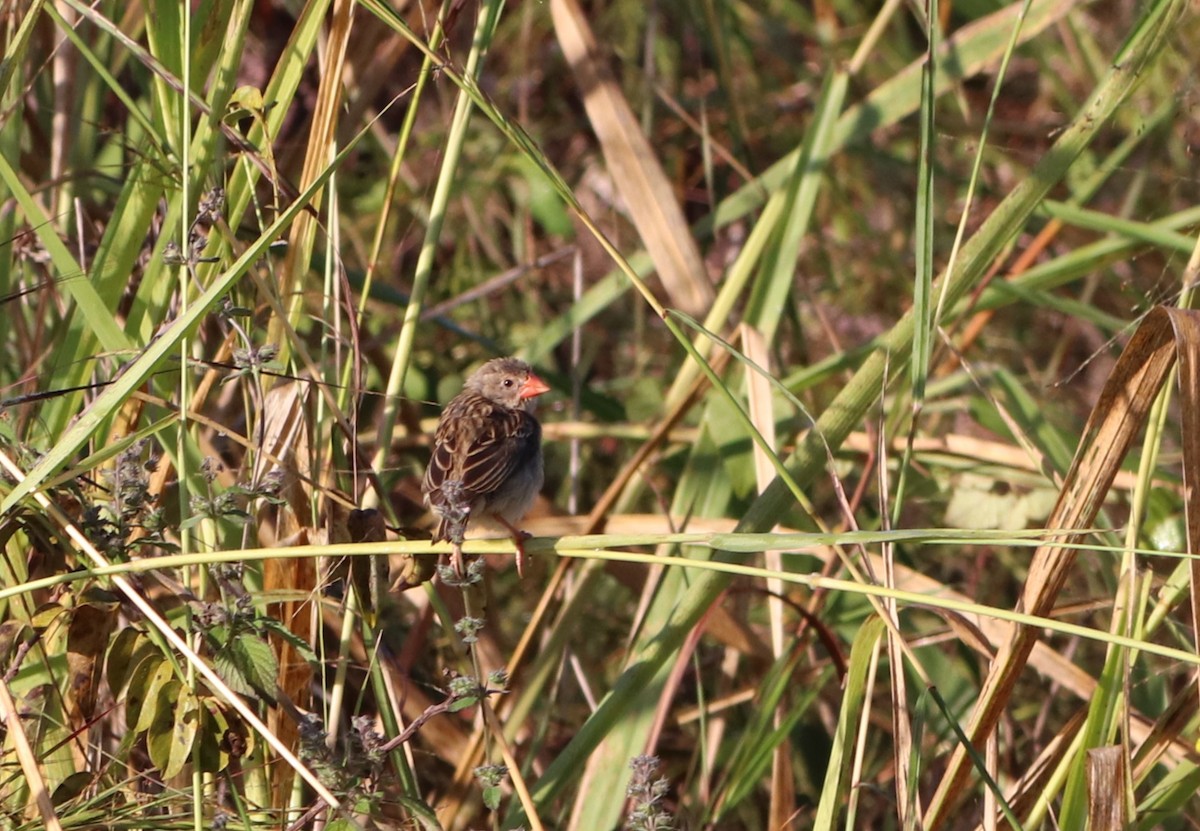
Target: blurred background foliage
[(357, 203)]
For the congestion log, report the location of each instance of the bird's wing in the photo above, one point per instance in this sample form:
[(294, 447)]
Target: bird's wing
[(478, 446)]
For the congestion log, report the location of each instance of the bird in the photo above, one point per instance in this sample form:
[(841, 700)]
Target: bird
[(486, 464)]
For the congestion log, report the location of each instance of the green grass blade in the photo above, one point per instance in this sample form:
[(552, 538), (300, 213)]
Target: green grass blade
[(852, 403), (835, 790)]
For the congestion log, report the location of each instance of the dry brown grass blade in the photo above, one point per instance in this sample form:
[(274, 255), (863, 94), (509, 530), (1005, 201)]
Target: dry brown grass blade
[(280, 417), (975, 450), (1187, 336), (286, 452), (762, 415), (636, 172), (34, 780), (321, 138), (1106, 789), (902, 734), (985, 634), (1167, 739), (284, 436), (1114, 423)]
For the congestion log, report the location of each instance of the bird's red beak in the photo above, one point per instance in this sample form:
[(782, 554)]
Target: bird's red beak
[(533, 387)]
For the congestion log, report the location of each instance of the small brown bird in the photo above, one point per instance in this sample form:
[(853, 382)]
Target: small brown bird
[(487, 455)]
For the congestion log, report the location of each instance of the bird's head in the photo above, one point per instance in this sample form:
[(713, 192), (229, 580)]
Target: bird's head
[(508, 382)]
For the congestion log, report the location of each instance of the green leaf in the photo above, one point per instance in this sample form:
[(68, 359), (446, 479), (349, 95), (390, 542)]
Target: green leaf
[(837, 774), (246, 100), (71, 787), (227, 667), (160, 728), (212, 748), (462, 703), (342, 824), (544, 203), (147, 682), (276, 627), (184, 727), (256, 662)]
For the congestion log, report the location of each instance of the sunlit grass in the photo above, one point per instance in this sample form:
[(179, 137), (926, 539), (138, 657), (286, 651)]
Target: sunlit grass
[(838, 324)]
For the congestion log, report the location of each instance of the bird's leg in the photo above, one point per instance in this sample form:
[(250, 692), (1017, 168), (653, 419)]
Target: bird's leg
[(456, 560), (518, 538)]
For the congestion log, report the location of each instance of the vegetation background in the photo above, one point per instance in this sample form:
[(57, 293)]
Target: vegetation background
[(829, 294)]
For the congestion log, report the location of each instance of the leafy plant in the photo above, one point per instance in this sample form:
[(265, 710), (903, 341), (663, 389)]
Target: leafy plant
[(853, 313)]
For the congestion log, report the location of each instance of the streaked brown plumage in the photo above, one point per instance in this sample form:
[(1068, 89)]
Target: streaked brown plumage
[(487, 454)]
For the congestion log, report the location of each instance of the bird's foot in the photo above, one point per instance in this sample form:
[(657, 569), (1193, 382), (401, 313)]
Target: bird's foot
[(518, 538), (519, 543)]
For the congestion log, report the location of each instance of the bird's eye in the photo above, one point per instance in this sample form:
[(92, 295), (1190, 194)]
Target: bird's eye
[(508, 382)]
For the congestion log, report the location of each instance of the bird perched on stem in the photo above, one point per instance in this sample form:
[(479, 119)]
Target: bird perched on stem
[(487, 455)]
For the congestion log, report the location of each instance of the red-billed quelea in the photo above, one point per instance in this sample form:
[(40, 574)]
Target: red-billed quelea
[(487, 455)]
